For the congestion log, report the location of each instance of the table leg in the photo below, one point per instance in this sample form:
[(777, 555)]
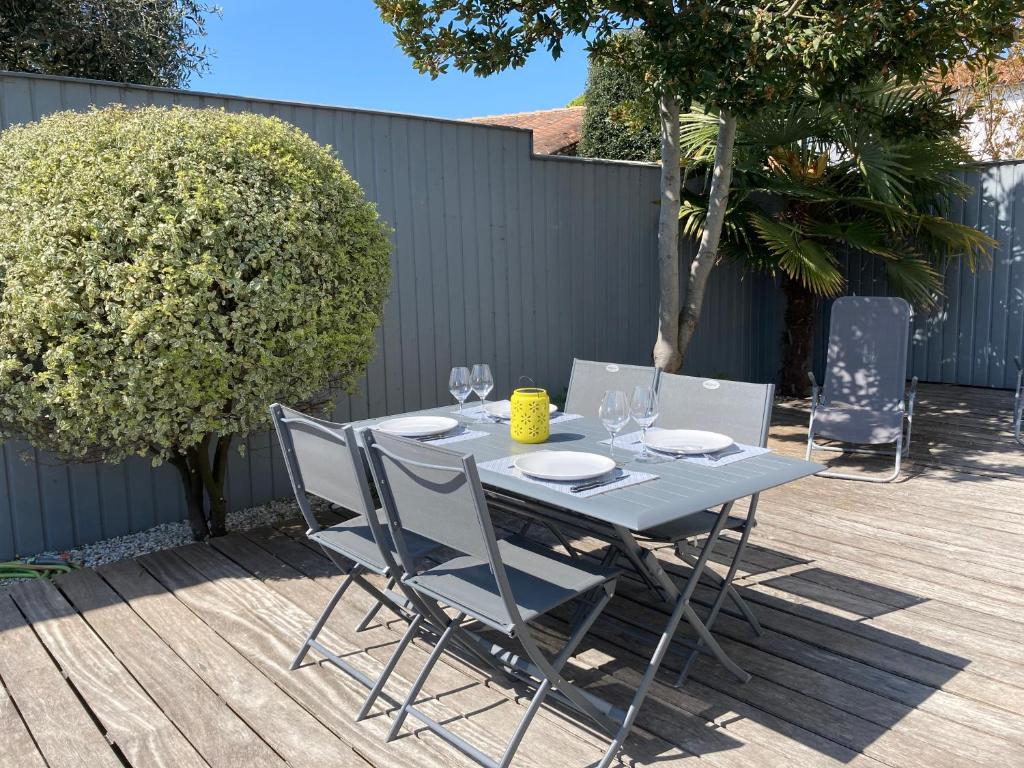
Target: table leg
[(681, 610)]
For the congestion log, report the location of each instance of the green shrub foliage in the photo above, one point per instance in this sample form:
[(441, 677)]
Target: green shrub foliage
[(621, 121), (168, 273)]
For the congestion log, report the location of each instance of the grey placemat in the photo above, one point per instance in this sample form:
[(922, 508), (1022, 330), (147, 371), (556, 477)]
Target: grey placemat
[(629, 477), (458, 437), (735, 452), (474, 412)]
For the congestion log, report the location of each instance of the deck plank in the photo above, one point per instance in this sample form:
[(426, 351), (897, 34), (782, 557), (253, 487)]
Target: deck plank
[(292, 732), (24, 667), (133, 722), (206, 721), (19, 750)]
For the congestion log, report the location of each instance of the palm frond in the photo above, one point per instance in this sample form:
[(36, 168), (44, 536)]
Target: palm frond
[(698, 134), (882, 167), (862, 234), (915, 279), (801, 258), (956, 240)]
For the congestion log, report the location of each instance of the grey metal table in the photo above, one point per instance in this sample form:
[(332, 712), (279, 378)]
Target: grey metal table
[(618, 516)]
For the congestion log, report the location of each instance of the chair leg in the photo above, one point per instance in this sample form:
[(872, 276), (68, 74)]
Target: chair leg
[(410, 633), (324, 616), (1018, 409), (375, 609), (862, 477), (577, 636), (421, 679), (664, 642)]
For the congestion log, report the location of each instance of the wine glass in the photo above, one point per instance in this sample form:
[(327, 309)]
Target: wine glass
[(614, 414), (644, 410), (458, 384), (482, 382)]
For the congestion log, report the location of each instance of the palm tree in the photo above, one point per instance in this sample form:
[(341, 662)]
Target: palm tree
[(874, 172)]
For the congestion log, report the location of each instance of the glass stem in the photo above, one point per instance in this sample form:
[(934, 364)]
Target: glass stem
[(643, 442), (611, 445)]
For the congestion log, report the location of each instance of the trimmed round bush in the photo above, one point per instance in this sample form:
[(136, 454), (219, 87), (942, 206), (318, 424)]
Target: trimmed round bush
[(166, 274)]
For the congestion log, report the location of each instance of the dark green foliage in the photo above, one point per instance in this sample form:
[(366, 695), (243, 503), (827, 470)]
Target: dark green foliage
[(737, 55), (150, 42), (621, 122)]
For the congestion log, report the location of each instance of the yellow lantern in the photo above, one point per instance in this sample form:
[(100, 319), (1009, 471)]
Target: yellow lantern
[(531, 418)]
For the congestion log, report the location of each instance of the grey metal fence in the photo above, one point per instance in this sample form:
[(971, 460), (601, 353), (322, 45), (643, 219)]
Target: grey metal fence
[(521, 261)]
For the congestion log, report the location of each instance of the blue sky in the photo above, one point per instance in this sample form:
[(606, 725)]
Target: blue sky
[(339, 52)]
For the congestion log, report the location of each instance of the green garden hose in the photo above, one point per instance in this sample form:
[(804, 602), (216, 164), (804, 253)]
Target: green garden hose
[(42, 567)]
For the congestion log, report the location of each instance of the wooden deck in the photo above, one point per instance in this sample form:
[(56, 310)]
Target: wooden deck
[(894, 620)]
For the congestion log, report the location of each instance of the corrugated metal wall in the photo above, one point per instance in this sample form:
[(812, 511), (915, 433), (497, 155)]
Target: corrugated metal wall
[(520, 261), (979, 326)]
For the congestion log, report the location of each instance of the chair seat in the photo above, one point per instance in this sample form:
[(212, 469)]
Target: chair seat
[(353, 539), (692, 525), (858, 425), (540, 579)]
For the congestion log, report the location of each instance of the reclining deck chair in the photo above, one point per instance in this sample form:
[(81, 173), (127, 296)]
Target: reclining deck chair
[(503, 585), (864, 399), (323, 460)]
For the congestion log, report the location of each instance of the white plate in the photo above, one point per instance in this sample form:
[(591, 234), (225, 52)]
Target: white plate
[(687, 441), (503, 409), (418, 426), (564, 465)]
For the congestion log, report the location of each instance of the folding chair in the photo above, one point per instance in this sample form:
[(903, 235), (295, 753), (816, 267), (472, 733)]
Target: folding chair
[(1018, 402), (743, 412), (324, 460), (864, 401), (504, 585), (589, 381)]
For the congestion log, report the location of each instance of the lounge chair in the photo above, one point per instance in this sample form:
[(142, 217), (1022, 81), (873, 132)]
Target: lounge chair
[(864, 400)]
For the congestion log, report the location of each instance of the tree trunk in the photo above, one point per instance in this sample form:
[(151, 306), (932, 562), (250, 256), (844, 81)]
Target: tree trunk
[(212, 477), (666, 348), (218, 502), (194, 496), (707, 252), (203, 483), (797, 339)]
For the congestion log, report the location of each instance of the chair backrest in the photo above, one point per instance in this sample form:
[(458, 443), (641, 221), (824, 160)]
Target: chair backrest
[(868, 341), (436, 493), (323, 460), (590, 380), (735, 408)]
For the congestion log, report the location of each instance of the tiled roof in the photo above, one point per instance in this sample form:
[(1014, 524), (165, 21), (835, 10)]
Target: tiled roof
[(555, 131)]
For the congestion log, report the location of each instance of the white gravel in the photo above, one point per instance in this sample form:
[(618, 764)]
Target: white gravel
[(168, 536)]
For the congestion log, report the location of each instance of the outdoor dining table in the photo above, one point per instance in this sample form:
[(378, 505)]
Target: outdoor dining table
[(623, 515)]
